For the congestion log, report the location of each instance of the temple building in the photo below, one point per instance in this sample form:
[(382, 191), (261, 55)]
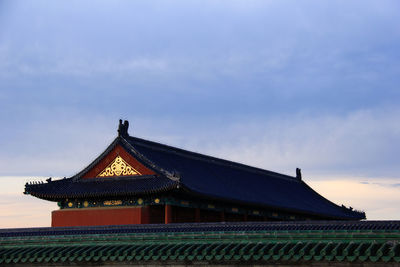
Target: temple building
[(136, 181)]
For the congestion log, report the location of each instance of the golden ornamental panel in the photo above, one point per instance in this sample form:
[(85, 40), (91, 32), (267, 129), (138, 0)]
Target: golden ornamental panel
[(112, 202), (118, 167)]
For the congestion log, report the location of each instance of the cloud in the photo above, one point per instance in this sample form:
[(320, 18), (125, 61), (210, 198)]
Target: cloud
[(78, 67), (363, 142), (392, 185), (57, 147), (360, 143), (278, 85)]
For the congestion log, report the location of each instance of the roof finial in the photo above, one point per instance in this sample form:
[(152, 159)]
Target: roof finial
[(298, 173), (123, 128)]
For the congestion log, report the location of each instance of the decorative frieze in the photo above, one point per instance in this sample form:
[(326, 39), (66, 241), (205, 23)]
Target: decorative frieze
[(168, 200)]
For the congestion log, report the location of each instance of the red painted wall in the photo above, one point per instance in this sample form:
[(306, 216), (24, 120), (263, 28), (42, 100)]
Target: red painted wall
[(141, 215), (100, 216)]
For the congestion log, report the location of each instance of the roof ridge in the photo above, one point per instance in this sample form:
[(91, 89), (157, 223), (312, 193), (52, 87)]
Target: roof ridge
[(212, 159), (275, 226), (144, 160), (96, 160)]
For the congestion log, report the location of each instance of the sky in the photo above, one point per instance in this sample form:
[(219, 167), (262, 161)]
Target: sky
[(273, 84)]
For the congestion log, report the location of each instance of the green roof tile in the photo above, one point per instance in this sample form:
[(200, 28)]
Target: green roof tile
[(230, 246)]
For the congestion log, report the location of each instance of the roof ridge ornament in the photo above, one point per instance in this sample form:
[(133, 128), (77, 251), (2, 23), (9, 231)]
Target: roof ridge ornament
[(123, 128), (298, 173)]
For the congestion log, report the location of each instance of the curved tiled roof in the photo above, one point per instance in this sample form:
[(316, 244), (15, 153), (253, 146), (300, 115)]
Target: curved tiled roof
[(200, 175), (232, 181), (100, 187)]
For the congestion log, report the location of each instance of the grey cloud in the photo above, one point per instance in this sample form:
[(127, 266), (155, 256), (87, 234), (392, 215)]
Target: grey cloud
[(273, 84)]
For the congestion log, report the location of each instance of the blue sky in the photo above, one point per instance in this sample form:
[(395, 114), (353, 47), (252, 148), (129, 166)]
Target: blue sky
[(275, 84)]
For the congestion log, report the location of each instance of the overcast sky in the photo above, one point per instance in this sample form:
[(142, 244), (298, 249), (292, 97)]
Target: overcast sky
[(274, 84)]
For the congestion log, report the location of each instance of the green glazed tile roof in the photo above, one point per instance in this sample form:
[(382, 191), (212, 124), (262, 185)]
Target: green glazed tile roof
[(257, 246)]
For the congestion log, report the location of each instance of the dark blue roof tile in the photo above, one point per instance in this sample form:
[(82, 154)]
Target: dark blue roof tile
[(223, 179), (100, 187)]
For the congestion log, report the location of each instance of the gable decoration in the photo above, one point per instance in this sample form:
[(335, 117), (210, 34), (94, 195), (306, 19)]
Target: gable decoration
[(118, 167)]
